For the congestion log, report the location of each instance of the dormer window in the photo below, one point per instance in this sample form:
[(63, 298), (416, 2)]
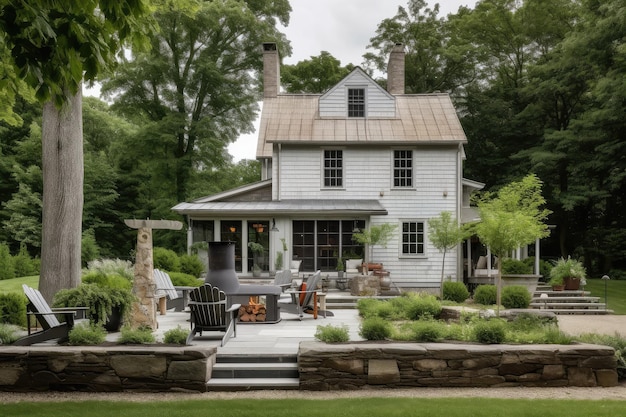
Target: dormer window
[(356, 102)]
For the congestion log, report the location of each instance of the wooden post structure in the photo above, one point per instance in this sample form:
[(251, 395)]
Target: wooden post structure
[(144, 309)]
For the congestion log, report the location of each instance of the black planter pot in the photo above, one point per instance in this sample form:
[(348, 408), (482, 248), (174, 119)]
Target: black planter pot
[(114, 320)]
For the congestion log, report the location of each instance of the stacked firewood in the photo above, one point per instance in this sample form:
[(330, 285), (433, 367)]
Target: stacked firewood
[(252, 313)]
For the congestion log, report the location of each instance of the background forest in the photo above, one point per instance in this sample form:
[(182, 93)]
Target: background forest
[(540, 86)]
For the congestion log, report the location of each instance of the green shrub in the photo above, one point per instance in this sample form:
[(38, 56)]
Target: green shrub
[(99, 299), (490, 331), (423, 306), (485, 295), (455, 291), (13, 309), (332, 334), (89, 249), (515, 296), (515, 267), (22, 263), (87, 334), (367, 307), (544, 266), (375, 328), (177, 336), (428, 331), (6, 263), (107, 281), (184, 280), (192, 265), (9, 333), (166, 260), (526, 322), (140, 336), (112, 267)]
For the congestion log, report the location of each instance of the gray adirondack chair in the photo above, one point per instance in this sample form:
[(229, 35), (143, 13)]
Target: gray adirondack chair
[(302, 299), (51, 327), (175, 297), (283, 279), (210, 313)]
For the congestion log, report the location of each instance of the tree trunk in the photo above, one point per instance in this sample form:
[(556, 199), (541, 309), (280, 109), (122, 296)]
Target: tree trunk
[(62, 162)]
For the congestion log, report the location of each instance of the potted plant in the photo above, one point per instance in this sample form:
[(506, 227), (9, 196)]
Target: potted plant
[(257, 251), (339, 267), (278, 262), (107, 306), (568, 273)]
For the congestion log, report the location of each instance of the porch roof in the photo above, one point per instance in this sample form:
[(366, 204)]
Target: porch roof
[(287, 207)]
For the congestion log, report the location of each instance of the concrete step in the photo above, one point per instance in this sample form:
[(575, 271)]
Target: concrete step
[(555, 299), (245, 371), (255, 370), (563, 305), (564, 293), (580, 311), (251, 384)]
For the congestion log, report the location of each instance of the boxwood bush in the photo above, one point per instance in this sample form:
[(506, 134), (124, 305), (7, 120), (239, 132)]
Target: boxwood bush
[(13, 309), (485, 294), (375, 328), (455, 291), (515, 296), (490, 331)]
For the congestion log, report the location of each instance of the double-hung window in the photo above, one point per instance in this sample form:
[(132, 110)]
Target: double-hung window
[(413, 238), (356, 102), (333, 168), (402, 169)]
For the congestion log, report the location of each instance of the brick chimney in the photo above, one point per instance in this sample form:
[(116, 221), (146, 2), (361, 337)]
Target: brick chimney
[(271, 70), (395, 70)]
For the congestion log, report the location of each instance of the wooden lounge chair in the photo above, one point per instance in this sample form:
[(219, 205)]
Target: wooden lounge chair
[(209, 312), (283, 279), (304, 298), (168, 295), (52, 328)]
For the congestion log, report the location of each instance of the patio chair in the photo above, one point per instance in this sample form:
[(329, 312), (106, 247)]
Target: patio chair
[(209, 312), (352, 267), (304, 298), (168, 295), (283, 279), (294, 266), (52, 328)]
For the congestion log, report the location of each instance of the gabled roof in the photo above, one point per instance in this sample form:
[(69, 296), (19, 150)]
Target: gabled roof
[(362, 74), (235, 192), (421, 119)]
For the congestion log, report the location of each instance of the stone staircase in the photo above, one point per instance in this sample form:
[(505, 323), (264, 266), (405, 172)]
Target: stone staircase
[(567, 302), (247, 372)]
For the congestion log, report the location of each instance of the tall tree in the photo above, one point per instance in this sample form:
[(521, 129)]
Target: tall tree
[(436, 57), (196, 85), (54, 46)]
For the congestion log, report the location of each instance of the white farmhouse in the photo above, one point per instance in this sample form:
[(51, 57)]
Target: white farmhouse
[(336, 163)]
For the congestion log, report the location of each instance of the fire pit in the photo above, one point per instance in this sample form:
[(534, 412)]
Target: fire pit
[(222, 274)]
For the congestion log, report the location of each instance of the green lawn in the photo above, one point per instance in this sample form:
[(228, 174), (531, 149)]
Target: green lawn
[(15, 285), (358, 407), (616, 293)]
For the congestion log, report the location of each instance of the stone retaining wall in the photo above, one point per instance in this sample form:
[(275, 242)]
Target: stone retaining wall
[(327, 367), (103, 369)]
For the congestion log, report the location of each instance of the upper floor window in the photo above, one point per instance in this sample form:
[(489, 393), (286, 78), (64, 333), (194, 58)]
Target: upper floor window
[(356, 102), (413, 238), (333, 168), (403, 168)]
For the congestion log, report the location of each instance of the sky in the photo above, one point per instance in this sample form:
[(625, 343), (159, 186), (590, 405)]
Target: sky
[(341, 27)]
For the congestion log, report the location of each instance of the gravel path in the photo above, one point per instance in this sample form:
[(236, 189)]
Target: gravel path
[(576, 393)]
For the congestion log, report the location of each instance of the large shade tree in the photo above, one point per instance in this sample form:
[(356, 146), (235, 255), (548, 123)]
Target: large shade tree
[(196, 87), (53, 46)]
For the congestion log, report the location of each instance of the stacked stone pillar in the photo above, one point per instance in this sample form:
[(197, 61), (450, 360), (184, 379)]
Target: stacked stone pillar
[(143, 312)]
